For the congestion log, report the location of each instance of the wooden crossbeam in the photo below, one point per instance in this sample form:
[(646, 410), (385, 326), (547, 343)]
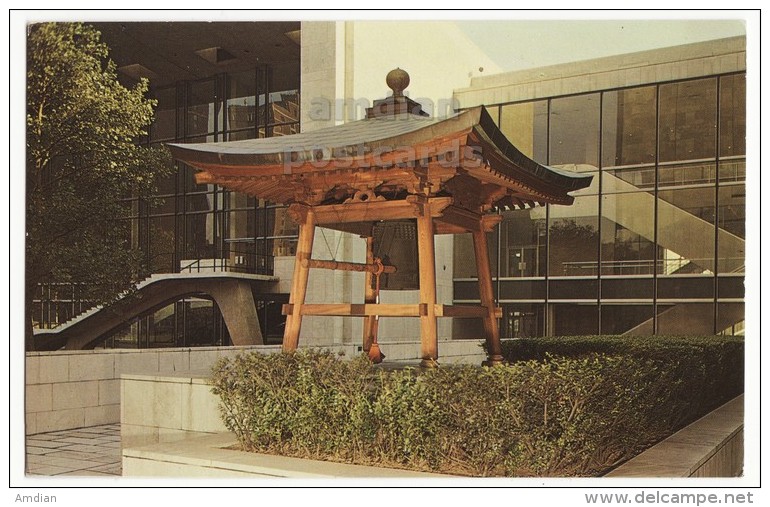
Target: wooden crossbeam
[(370, 212), (466, 311), (390, 310), (356, 310)]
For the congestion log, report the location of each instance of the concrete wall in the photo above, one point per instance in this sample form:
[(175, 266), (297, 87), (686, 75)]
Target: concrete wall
[(76, 389), (167, 408)]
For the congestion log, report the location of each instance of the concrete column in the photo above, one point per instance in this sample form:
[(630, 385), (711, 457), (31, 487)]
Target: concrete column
[(236, 304)]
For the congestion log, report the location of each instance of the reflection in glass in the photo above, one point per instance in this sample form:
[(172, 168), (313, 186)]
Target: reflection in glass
[(688, 319), (686, 230), (732, 228), (574, 319), (686, 174), (241, 105), (574, 238), (687, 128), (575, 130), (628, 127), (620, 319), (525, 126), (203, 108), (732, 115), (628, 232), (164, 124), (161, 244), (731, 319), (523, 244), (522, 320)]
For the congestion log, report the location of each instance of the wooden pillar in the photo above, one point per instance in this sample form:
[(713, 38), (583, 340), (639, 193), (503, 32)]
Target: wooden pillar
[(427, 258), (491, 328), (370, 322), (299, 281)]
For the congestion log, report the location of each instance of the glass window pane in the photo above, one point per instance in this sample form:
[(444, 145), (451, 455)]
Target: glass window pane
[(628, 127), (627, 287), (686, 174), (575, 130), (202, 108), (164, 124), (691, 319), (574, 319), (574, 238), (628, 180), (578, 288), (732, 115), (523, 239), (632, 319), (161, 250), (732, 170), (687, 128), (518, 289), (730, 318), (732, 228), (522, 320), (525, 126), (241, 100), (686, 230), (628, 233), (685, 287), (199, 238), (241, 135)]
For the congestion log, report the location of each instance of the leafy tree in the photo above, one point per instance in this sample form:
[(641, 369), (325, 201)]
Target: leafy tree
[(82, 159)]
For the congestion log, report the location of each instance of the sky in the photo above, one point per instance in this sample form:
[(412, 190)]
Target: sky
[(523, 44)]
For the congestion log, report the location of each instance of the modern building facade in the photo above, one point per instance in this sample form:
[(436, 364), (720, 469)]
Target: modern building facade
[(655, 245)]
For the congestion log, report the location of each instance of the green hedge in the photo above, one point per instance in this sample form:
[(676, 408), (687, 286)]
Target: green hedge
[(562, 416), (708, 369)]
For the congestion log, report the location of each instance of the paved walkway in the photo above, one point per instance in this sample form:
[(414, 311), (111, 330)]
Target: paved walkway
[(93, 451)]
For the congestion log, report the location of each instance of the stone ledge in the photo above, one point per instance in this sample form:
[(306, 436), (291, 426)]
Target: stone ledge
[(209, 456), (717, 436)]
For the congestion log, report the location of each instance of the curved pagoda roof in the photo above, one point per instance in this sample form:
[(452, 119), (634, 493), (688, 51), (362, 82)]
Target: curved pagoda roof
[(388, 155)]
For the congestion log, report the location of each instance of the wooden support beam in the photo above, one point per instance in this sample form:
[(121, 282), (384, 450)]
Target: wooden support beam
[(355, 310), (466, 311), (491, 329), (388, 310), (370, 297), (427, 259), (299, 279), (468, 221)]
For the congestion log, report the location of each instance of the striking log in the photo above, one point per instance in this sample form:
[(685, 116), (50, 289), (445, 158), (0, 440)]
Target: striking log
[(374, 267)]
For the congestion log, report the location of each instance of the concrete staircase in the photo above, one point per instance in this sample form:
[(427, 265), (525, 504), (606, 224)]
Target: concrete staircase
[(231, 291)]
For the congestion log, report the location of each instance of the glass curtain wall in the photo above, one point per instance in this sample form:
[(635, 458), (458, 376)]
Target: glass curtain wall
[(656, 244), (191, 227)]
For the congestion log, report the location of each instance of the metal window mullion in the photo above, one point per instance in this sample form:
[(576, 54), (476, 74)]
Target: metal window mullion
[(546, 308), (716, 204), (599, 218), (655, 250)]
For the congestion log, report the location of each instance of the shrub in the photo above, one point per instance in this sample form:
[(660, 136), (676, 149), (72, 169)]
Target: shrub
[(576, 414)]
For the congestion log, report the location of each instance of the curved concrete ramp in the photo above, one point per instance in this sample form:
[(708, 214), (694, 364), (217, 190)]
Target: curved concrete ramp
[(232, 293)]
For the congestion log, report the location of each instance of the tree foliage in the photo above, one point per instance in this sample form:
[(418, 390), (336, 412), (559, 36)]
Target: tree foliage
[(82, 160)]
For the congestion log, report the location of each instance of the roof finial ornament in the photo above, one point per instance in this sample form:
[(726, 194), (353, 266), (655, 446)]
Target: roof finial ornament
[(397, 80)]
